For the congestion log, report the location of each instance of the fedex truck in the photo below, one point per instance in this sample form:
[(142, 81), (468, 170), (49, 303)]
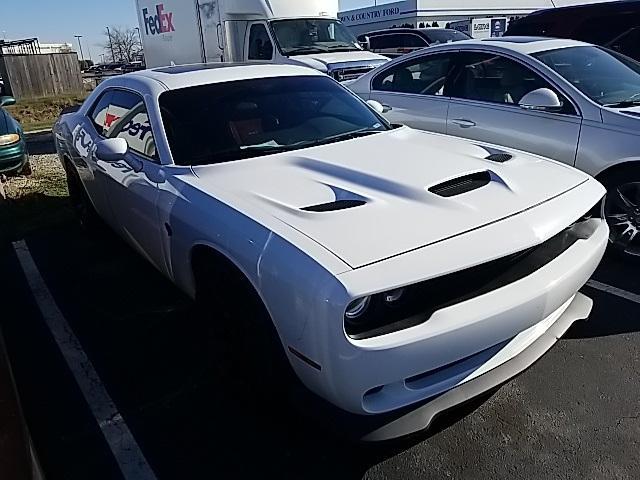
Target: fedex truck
[(303, 32)]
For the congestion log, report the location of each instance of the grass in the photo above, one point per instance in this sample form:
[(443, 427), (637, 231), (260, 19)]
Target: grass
[(41, 113), (34, 202)]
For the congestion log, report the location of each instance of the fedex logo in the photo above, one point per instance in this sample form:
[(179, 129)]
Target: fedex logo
[(161, 22)]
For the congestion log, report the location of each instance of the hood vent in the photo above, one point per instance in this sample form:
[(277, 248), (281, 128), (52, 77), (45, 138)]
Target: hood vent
[(333, 206), (499, 157), (461, 185), (630, 112)]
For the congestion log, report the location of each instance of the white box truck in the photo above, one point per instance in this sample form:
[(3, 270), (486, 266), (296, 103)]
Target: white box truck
[(303, 32)]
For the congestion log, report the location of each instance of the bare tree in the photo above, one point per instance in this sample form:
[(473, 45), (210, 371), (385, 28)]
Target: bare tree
[(123, 44)]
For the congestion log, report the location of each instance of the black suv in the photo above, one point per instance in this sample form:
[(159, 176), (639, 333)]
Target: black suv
[(615, 25), (394, 42)]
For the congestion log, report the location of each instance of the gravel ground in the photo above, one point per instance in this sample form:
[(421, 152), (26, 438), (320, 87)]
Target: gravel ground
[(47, 179), (36, 201)]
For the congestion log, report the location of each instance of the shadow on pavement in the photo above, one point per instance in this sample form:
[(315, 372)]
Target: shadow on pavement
[(40, 143), (152, 352)]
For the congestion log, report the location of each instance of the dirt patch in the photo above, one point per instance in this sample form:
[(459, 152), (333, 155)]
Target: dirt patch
[(40, 113), (36, 201)]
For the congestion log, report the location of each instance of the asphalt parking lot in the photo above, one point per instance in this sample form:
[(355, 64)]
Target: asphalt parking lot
[(574, 414)]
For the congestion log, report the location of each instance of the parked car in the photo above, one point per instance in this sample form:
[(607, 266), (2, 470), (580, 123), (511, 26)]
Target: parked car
[(615, 25), (394, 42), (14, 157), (394, 271), (562, 99)]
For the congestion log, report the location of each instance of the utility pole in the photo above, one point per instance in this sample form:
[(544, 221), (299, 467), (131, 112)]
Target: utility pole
[(113, 59), (80, 45)]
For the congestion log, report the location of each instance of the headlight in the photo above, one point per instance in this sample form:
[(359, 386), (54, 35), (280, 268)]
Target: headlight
[(374, 314), (9, 139), (357, 308), (393, 296)]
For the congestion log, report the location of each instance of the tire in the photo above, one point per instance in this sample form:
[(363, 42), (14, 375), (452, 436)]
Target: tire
[(246, 351), (621, 209), (80, 202), (26, 169)]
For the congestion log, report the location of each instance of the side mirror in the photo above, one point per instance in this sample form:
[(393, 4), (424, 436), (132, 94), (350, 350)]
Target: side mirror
[(378, 107), (5, 101), (111, 149), (542, 99)]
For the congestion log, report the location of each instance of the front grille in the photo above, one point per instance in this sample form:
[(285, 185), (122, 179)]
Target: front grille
[(423, 299), (350, 73)]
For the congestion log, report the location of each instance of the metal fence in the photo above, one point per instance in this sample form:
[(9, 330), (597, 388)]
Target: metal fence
[(29, 76)]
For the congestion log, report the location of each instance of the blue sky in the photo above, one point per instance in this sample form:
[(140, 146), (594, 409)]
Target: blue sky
[(59, 20)]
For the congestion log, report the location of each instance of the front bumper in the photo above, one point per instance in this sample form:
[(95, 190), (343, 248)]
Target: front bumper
[(13, 157), (419, 417)]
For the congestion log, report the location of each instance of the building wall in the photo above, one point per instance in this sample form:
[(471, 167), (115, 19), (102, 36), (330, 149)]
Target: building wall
[(414, 12), (55, 48)]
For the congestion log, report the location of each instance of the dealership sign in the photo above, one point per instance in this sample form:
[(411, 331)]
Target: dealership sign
[(389, 11)]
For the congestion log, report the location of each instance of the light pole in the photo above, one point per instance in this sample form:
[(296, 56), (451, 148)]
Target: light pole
[(113, 59), (80, 45)]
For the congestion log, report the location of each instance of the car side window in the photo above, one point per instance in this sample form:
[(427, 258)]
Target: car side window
[(128, 119), (411, 40), (260, 46), (98, 113), (381, 42), (424, 76), (493, 78)]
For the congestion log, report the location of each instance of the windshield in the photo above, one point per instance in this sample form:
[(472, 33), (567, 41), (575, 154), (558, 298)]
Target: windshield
[(222, 122), (445, 36), (302, 36), (604, 76)]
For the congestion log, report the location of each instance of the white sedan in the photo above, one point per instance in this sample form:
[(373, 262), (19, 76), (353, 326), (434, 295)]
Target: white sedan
[(562, 99), (396, 272)]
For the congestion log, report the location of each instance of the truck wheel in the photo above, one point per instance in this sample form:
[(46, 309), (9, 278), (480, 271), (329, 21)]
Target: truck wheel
[(80, 201), (246, 351), (621, 209)]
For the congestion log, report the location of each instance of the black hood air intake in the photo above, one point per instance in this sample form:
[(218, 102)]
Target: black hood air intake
[(499, 157), (461, 185), (333, 206)]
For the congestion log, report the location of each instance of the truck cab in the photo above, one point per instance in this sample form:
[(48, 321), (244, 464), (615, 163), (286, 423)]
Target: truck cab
[(278, 31)]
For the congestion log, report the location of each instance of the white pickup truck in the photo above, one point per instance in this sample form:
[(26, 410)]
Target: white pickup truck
[(294, 32)]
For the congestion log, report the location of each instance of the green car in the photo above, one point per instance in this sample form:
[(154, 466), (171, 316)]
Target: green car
[(14, 157)]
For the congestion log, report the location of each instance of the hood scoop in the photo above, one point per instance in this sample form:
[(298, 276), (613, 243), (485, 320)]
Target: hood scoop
[(499, 157), (342, 200), (496, 155), (460, 185), (333, 206)]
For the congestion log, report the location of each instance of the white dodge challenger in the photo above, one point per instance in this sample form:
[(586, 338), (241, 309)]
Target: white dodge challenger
[(398, 273)]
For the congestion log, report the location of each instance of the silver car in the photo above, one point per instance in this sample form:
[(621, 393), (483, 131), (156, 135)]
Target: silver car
[(567, 100)]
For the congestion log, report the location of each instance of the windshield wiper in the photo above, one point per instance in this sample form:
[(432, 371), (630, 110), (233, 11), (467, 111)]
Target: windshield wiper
[(343, 136), (344, 48), (623, 104), (317, 49)]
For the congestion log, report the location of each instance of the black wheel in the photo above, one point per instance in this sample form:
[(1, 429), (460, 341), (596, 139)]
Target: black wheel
[(621, 209), (80, 201), (246, 351), (26, 169)]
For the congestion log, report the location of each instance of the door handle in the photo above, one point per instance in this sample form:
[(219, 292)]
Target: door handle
[(463, 122)]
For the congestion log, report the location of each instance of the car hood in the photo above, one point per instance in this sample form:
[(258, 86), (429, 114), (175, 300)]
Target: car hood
[(369, 199), (623, 117), (327, 60)]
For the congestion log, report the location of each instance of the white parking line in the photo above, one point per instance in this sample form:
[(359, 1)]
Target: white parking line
[(603, 287), (124, 447)]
